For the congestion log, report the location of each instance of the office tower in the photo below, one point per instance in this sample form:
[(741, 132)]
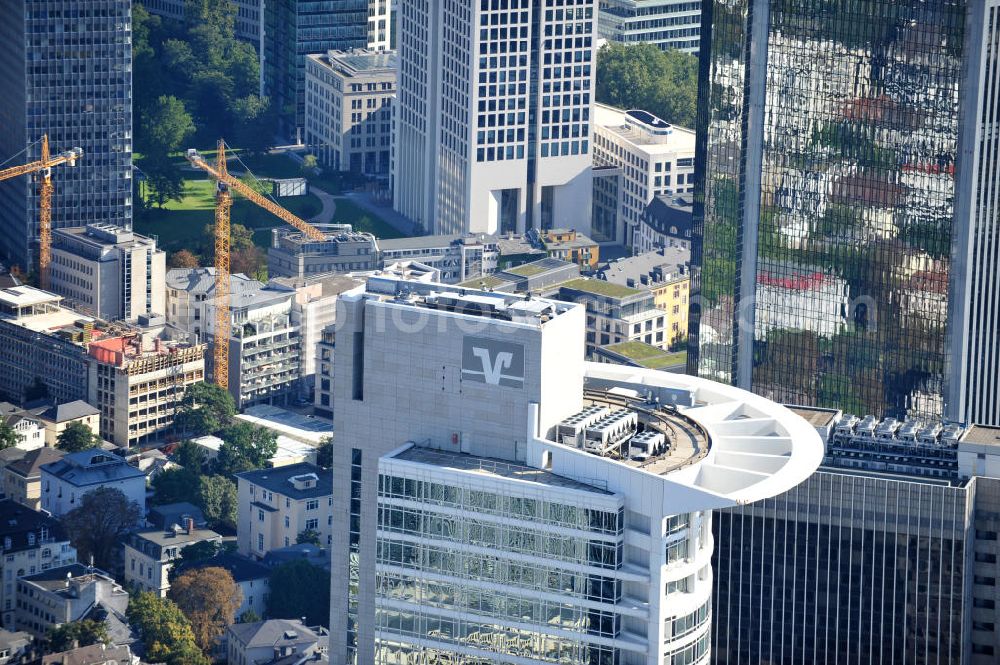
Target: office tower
[(670, 24), (496, 498), (381, 25), (348, 117), (65, 70), (655, 157), (493, 120), (888, 551), (847, 164), (292, 30), (109, 271)]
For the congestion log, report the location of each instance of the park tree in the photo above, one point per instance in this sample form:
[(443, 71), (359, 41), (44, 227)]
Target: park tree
[(104, 516), (642, 76), (165, 631), (8, 435), (164, 179), (245, 447), (174, 485), (166, 125), (183, 259), (217, 500), (76, 437), (300, 589), (209, 598), (205, 409), (77, 633)]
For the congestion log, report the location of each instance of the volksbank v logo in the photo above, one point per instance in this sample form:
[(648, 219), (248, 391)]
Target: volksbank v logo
[(492, 362)]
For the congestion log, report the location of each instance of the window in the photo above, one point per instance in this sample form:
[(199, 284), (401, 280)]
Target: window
[(260, 515), (312, 524), (288, 522), (260, 542), (312, 504), (677, 551)]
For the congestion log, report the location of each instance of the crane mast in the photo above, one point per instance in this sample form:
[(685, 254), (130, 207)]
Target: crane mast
[(226, 184), (44, 167)]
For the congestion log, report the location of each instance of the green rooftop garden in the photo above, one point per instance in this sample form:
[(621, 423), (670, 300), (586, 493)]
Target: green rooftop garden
[(601, 288), (527, 270), (647, 355)]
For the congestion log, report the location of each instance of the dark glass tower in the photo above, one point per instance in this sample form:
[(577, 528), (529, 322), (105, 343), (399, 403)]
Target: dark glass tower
[(296, 28), (65, 70), (846, 204)]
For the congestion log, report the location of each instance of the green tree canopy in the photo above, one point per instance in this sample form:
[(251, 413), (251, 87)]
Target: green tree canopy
[(245, 447), (104, 516), (642, 76), (77, 633), (8, 435), (300, 589), (192, 457), (307, 537), (324, 454), (77, 437), (165, 631), (175, 485), (205, 409), (217, 500)]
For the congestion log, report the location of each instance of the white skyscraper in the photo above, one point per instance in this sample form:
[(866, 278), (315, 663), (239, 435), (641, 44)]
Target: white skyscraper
[(499, 500), (493, 125)]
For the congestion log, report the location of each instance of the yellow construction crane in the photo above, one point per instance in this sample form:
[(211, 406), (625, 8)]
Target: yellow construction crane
[(44, 166), (223, 203)]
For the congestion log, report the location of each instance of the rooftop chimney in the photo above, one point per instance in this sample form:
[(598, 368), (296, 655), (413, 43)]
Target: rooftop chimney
[(188, 525)]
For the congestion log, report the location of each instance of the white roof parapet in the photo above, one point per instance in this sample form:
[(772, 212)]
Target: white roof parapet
[(756, 448)]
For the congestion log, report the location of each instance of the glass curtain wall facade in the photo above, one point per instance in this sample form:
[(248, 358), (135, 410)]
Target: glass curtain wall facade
[(828, 202), (464, 570), (65, 70), (296, 28), (842, 567)]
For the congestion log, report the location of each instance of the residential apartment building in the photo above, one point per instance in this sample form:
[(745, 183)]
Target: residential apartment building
[(881, 178), (264, 341), (108, 271), (898, 523), (138, 383), (666, 222), (665, 273), (32, 542), (58, 417), (22, 479), (617, 313), (458, 257), (274, 641), (494, 113), (40, 353), (348, 121), (65, 481), (293, 254), (669, 24), (462, 536), (571, 245), (654, 156), (314, 309), (81, 98), (29, 430), (58, 596), (150, 555), (276, 505), (292, 30)]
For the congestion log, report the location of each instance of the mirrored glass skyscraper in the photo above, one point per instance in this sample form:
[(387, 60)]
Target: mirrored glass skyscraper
[(846, 224), (65, 70)]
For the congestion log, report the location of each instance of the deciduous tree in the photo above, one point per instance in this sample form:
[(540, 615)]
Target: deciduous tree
[(205, 409), (103, 517), (183, 259), (217, 500), (300, 589), (77, 437), (77, 633), (175, 485), (8, 435), (642, 76), (246, 447), (209, 599), (165, 631)]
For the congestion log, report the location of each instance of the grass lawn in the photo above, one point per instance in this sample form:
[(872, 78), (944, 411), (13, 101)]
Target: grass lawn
[(351, 213), (179, 224)]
